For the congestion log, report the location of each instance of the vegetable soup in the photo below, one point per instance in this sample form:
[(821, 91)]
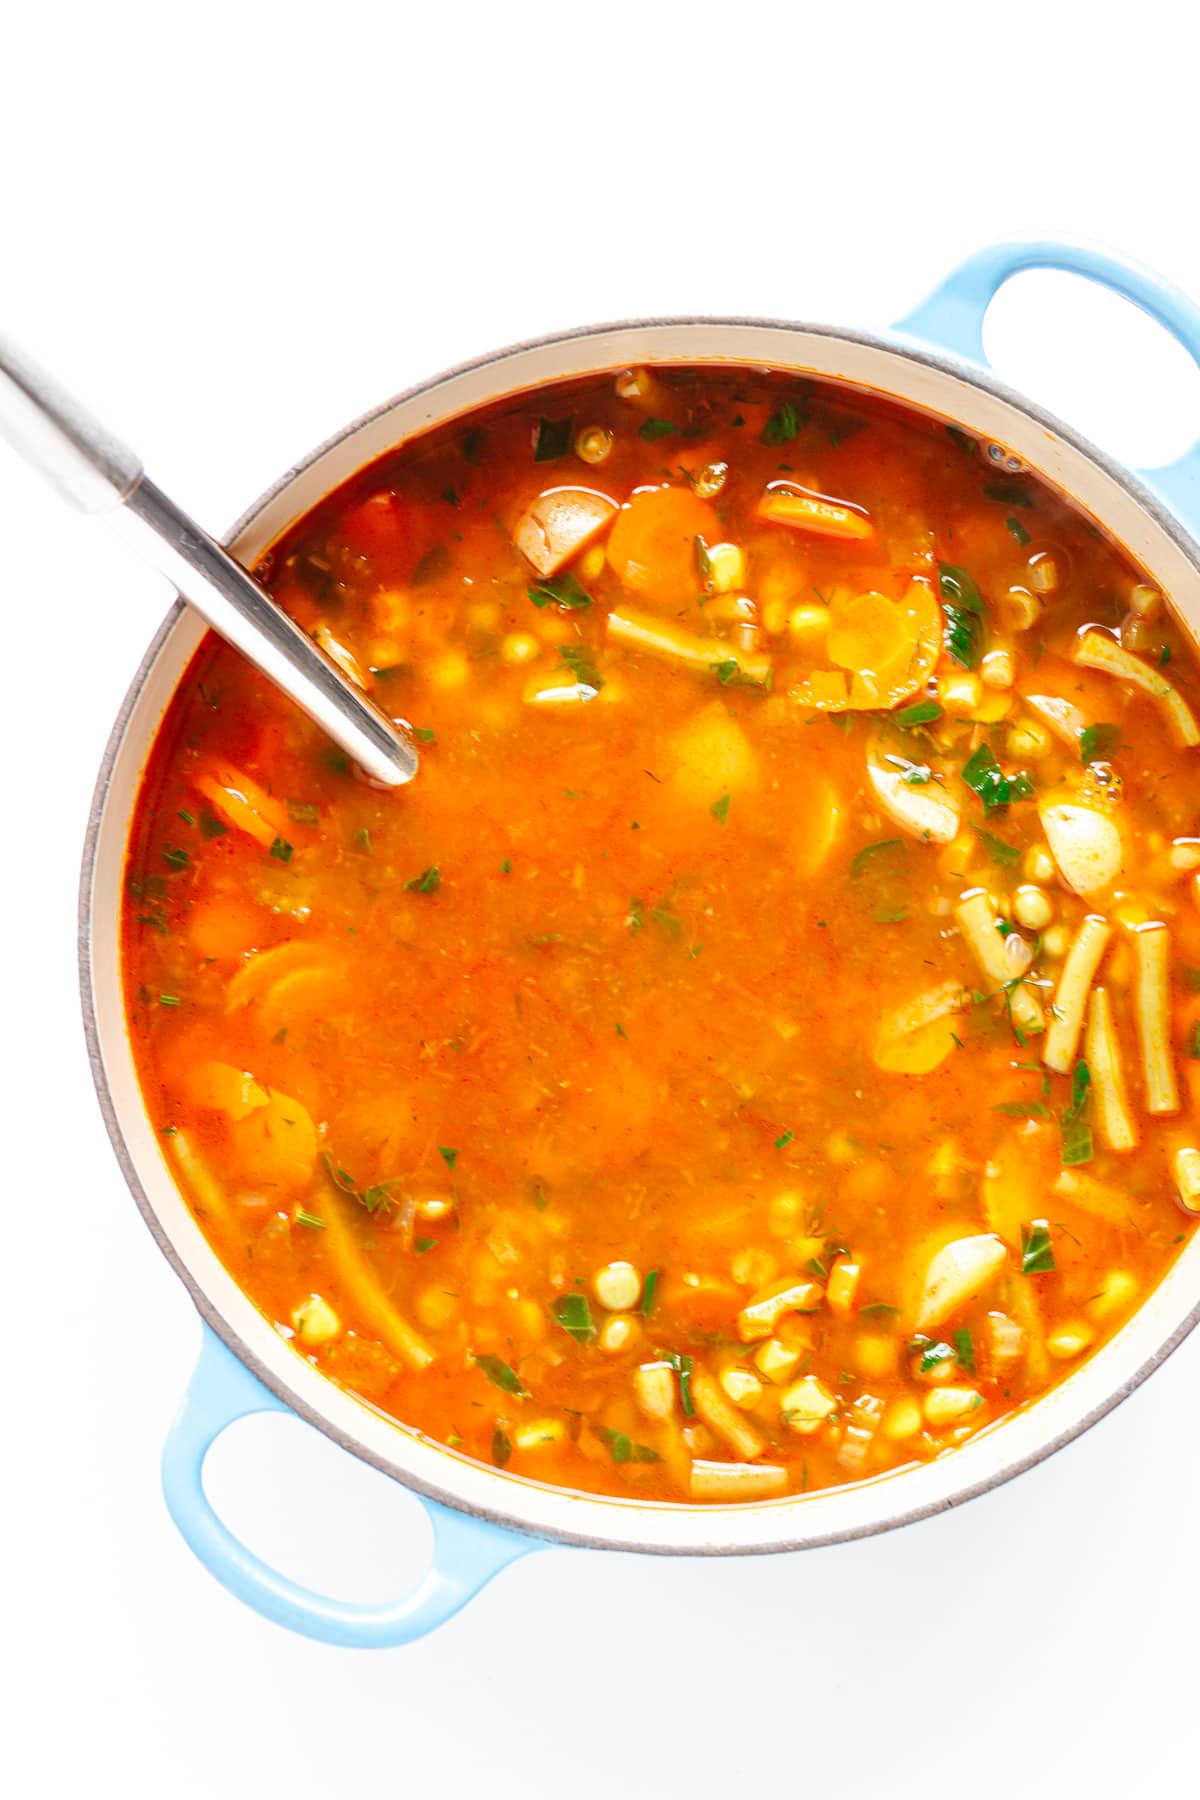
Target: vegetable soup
[(762, 1046)]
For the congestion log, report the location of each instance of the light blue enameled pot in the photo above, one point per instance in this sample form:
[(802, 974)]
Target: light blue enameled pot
[(484, 1519)]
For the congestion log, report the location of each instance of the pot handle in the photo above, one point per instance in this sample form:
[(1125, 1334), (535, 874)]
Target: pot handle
[(952, 319), (467, 1551)]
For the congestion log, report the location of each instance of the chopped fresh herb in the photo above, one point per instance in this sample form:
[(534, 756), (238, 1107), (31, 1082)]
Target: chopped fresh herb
[(500, 1374), (1023, 1109), (624, 1449), (422, 1245), (1007, 493), (1037, 1252), (448, 1156), (682, 1366), (621, 1031), (1004, 855), (921, 712), (281, 850), (865, 859), (784, 1139), (178, 859), (451, 496), (964, 1349), (424, 734), (720, 809), (506, 866), (552, 440), (649, 1293), (962, 604), (362, 841), (427, 882), (983, 774), (168, 1130), (335, 759), (311, 1221), (211, 826), (431, 567), (473, 445), (1074, 1125), (1164, 656), (1097, 742), (965, 442), (573, 1313), (582, 664), (501, 1447), (1193, 1048), (187, 818), (650, 430), (635, 918), (878, 1309), (303, 812), (155, 921), (169, 1000), (782, 426), (563, 590), (1017, 529), (931, 1354)]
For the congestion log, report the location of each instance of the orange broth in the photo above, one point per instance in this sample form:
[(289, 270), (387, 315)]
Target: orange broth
[(652, 1098)]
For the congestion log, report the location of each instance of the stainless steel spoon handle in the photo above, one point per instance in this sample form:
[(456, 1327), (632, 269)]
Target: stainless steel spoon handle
[(96, 473)]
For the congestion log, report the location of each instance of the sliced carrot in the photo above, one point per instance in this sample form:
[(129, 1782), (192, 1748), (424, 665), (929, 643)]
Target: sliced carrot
[(884, 650), (222, 1087), (652, 546), (802, 510), (225, 927), (242, 803), (265, 969)]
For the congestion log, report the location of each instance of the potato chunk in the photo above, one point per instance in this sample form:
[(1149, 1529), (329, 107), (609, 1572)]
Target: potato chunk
[(1086, 845), (923, 810), (959, 1271), (559, 524), (712, 756)]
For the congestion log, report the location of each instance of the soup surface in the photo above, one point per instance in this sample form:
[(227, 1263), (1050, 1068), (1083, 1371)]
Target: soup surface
[(762, 1046)]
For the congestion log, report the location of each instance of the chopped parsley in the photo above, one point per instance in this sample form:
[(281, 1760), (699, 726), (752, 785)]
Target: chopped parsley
[(178, 859), (211, 826), (983, 774), (427, 882), (448, 1156), (303, 812), (624, 1449), (1097, 742), (552, 440), (1003, 854), (720, 809), (964, 1350), (563, 590), (1017, 529), (782, 426), (962, 605), (311, 1221), (651, 430), (573, 1313), (1074, 1125), (921, 712), (784, 1139), (649, 1293), (281, 850), (1037, 1252), (424, 735), (501, 1447), (682, 1366), (582, 664), (500, 1374)]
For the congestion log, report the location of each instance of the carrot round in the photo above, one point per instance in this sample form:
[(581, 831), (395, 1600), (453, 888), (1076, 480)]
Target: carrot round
[(652, 546)]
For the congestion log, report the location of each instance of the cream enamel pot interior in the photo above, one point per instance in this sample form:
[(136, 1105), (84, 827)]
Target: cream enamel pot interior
[(484, 1518)]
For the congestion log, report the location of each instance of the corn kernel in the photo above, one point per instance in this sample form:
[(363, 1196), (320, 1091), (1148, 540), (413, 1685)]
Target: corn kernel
[(776, 1360), (315, 1320), (633, 384), (754, 1268), (960, 694), (903, 1419), (1032, 907), (783, 1214), (1055, 942), (998, 669), (1186, 1162), (449, 670), (710, 481), (1070, 1339), (806, 1405), (1117, 1292), (742, 1386), (1184, 854), (618, 1333), (617, 1286), (874, 1355), (843, 1286), (435, 1306), (1138, 634), (1146, 601), (1038, 864), (808, 625), (774, 615), (654, 1390), (726, 568), (538, 1433), (519, 647), (591, 563), (484, 615), (948, 1405)]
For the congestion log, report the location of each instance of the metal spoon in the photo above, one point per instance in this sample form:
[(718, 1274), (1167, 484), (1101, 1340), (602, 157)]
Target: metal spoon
[(96, 473)]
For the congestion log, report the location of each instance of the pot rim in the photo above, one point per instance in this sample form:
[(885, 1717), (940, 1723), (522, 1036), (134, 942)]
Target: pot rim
[(587, 1514)]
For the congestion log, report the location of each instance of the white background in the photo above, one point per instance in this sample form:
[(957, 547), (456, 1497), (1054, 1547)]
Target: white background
[(231, 228)]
